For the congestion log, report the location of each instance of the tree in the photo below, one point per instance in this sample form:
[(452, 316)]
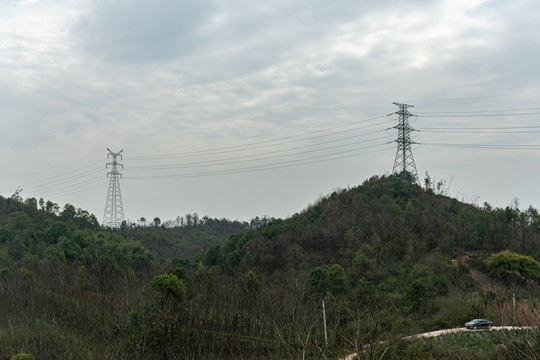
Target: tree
[(417, 294), (68, 213), (55, 231), (17, 249), (166, 288), (507, 264), (337, 278), (31, 205), (364, 258), (251, 282), (85, 220), (318, 281), (82, 278), (212, 255), (18, 221), (51, 207), (189, 220), (167, 294), (365, 291), (104, 269)]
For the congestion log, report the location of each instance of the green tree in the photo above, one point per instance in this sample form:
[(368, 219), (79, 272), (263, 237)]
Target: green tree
[(212, 255), (337, 279), (364, 258), (17, 249), (166, 288), (250, 287), (68, 213), (250, 282), (104, 269), (82, 278), (51, 207), (167, 293), (507, 264), (18, 221), (55, 231), (318, 281), (5, 235), (417, 294), (365, 291)]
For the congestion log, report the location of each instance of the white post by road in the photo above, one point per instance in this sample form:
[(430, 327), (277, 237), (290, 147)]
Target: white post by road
[(514, 308), (324, 321)]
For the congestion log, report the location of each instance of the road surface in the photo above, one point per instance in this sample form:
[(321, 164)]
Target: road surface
[(450, 331)]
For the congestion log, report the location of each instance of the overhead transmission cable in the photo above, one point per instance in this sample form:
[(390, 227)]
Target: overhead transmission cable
[(258, 157), (60, 178), (482, 113), (77, 188), (260, 144), (267, 155), (486, 146), (487, 130), (278, 165)]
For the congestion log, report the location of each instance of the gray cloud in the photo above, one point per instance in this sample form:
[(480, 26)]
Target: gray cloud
[(142, 31), (177, 77)]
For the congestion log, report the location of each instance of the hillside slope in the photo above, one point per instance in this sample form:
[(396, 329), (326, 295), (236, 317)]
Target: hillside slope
[(399, 221), (378, 256)]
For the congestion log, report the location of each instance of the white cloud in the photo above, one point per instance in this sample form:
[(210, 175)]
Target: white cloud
[(171, 77)]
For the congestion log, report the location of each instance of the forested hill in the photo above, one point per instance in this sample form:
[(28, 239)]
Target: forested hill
[(35, 232), (186, 238), (384, 220), (37, 225), (389, 259)]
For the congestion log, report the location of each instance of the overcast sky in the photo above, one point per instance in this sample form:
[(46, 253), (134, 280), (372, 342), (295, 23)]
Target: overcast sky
[(244, 108)]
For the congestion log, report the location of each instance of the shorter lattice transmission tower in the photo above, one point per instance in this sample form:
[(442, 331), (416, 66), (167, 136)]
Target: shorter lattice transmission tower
[(114, 211), (404, 163)]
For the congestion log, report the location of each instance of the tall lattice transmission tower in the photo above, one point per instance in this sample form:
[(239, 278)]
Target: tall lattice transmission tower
[(114, 211), (404, 163)]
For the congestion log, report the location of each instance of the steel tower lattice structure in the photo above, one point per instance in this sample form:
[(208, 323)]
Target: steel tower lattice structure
[(114, 211), (404, 162)]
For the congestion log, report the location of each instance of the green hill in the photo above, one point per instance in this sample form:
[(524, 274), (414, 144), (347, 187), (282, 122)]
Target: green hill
[(399, 222), (388, 258)]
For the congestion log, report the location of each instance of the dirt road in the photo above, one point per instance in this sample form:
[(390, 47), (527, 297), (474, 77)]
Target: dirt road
[(449, 331)]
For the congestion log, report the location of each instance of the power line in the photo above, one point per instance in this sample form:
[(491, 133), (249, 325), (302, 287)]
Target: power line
[(457, 115), (259, 157), (271, 166), (60, 177), (486, 146), (484, 130), (80, 188), (263, 143)]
